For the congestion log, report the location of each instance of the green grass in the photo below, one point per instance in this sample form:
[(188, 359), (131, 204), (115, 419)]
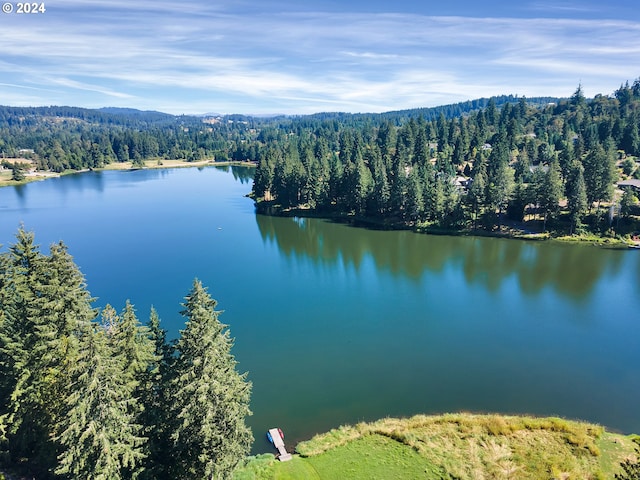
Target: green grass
[(373, 457), (594, 239), (460, 446), (263, 467)]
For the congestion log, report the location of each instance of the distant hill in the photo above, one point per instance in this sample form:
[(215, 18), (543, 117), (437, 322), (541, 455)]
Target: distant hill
[(125, 117), (432, 113), (134, 111), (133, 117)]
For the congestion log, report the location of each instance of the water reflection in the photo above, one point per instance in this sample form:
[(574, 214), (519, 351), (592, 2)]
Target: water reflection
[(97, 180), (241, 173), (572, 270)]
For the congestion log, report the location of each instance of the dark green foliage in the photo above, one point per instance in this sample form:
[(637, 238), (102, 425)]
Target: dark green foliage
[(576, 195), (627, 202), (407, 172), (44, 301), (155, 396), (210, 399), (361, 164), (17, 172), (99, 433), (81, 398)]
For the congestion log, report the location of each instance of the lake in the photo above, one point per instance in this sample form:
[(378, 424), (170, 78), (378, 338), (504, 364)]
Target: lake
[(337, 324)]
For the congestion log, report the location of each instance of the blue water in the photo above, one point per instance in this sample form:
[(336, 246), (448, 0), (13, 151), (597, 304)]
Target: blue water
[(337, 324)]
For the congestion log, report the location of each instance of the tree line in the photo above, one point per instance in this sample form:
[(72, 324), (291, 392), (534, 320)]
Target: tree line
[(471, 165), (97, 395), (557, 163), (65, 138), (71, 138)]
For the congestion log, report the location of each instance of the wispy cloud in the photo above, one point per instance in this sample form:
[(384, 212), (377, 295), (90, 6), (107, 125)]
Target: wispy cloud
[(195, 57)]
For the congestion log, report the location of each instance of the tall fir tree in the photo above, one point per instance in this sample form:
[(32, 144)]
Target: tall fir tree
[(576, 195), (44, 299), (100, 435), (210, 398), (156, 400)]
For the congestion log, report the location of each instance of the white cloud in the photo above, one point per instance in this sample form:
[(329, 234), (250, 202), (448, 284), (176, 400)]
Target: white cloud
[(145, 52)]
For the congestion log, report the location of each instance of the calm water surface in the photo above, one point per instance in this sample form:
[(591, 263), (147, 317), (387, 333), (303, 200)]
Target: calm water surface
[(337, 324)]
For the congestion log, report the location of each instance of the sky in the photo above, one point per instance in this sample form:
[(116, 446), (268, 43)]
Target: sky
[(306, 56)]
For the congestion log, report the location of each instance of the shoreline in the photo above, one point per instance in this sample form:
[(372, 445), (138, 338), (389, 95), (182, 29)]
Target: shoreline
[(154, 164), (454, 445), (506, 232)]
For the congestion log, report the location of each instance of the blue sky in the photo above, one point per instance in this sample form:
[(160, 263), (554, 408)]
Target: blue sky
[(286, 56)]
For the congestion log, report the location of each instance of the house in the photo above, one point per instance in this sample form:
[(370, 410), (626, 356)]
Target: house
[(461, 183)]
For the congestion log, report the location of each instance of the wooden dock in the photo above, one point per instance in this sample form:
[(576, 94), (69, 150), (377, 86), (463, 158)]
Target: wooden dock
[(279, 444)]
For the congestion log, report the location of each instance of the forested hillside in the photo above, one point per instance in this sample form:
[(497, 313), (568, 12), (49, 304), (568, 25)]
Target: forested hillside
[(481, 164), (557, 163), (70, 138), (88, 394)]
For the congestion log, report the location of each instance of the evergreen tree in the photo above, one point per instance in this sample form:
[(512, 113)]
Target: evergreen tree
[(518, 203), (18, 341), (100, 436), (551, 192), (397, 196), (477, 192), (437, 206), (421, 149), (576, 195), (17, 172), (499, 177), (627, 202), (135, 347), (210, 398), (379, 199), (155, 399), (415, 204), (599, 174), (45, 299)]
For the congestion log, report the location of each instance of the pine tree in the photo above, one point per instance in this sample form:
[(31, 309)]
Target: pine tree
[(25, 419), (477, 191), (576, 195), (134, 344), (379, 199), (415, 203), (499, 177), (155, 400), (599, 174), (551, 192), (100, 436), (44, 298), (17, 172), (210, 398)]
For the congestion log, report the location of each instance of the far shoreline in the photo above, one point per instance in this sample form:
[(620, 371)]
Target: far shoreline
[(153, 164), (356, 221)]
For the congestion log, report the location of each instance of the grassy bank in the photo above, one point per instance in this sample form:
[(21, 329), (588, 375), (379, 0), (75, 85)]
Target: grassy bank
[(460, 446)]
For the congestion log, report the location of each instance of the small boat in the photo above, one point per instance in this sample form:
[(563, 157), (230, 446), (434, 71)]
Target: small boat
[(270, 438)]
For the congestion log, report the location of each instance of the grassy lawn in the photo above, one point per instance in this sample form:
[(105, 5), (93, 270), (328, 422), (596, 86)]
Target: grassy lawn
[(460, 446), (156, 163), (373, 457)]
